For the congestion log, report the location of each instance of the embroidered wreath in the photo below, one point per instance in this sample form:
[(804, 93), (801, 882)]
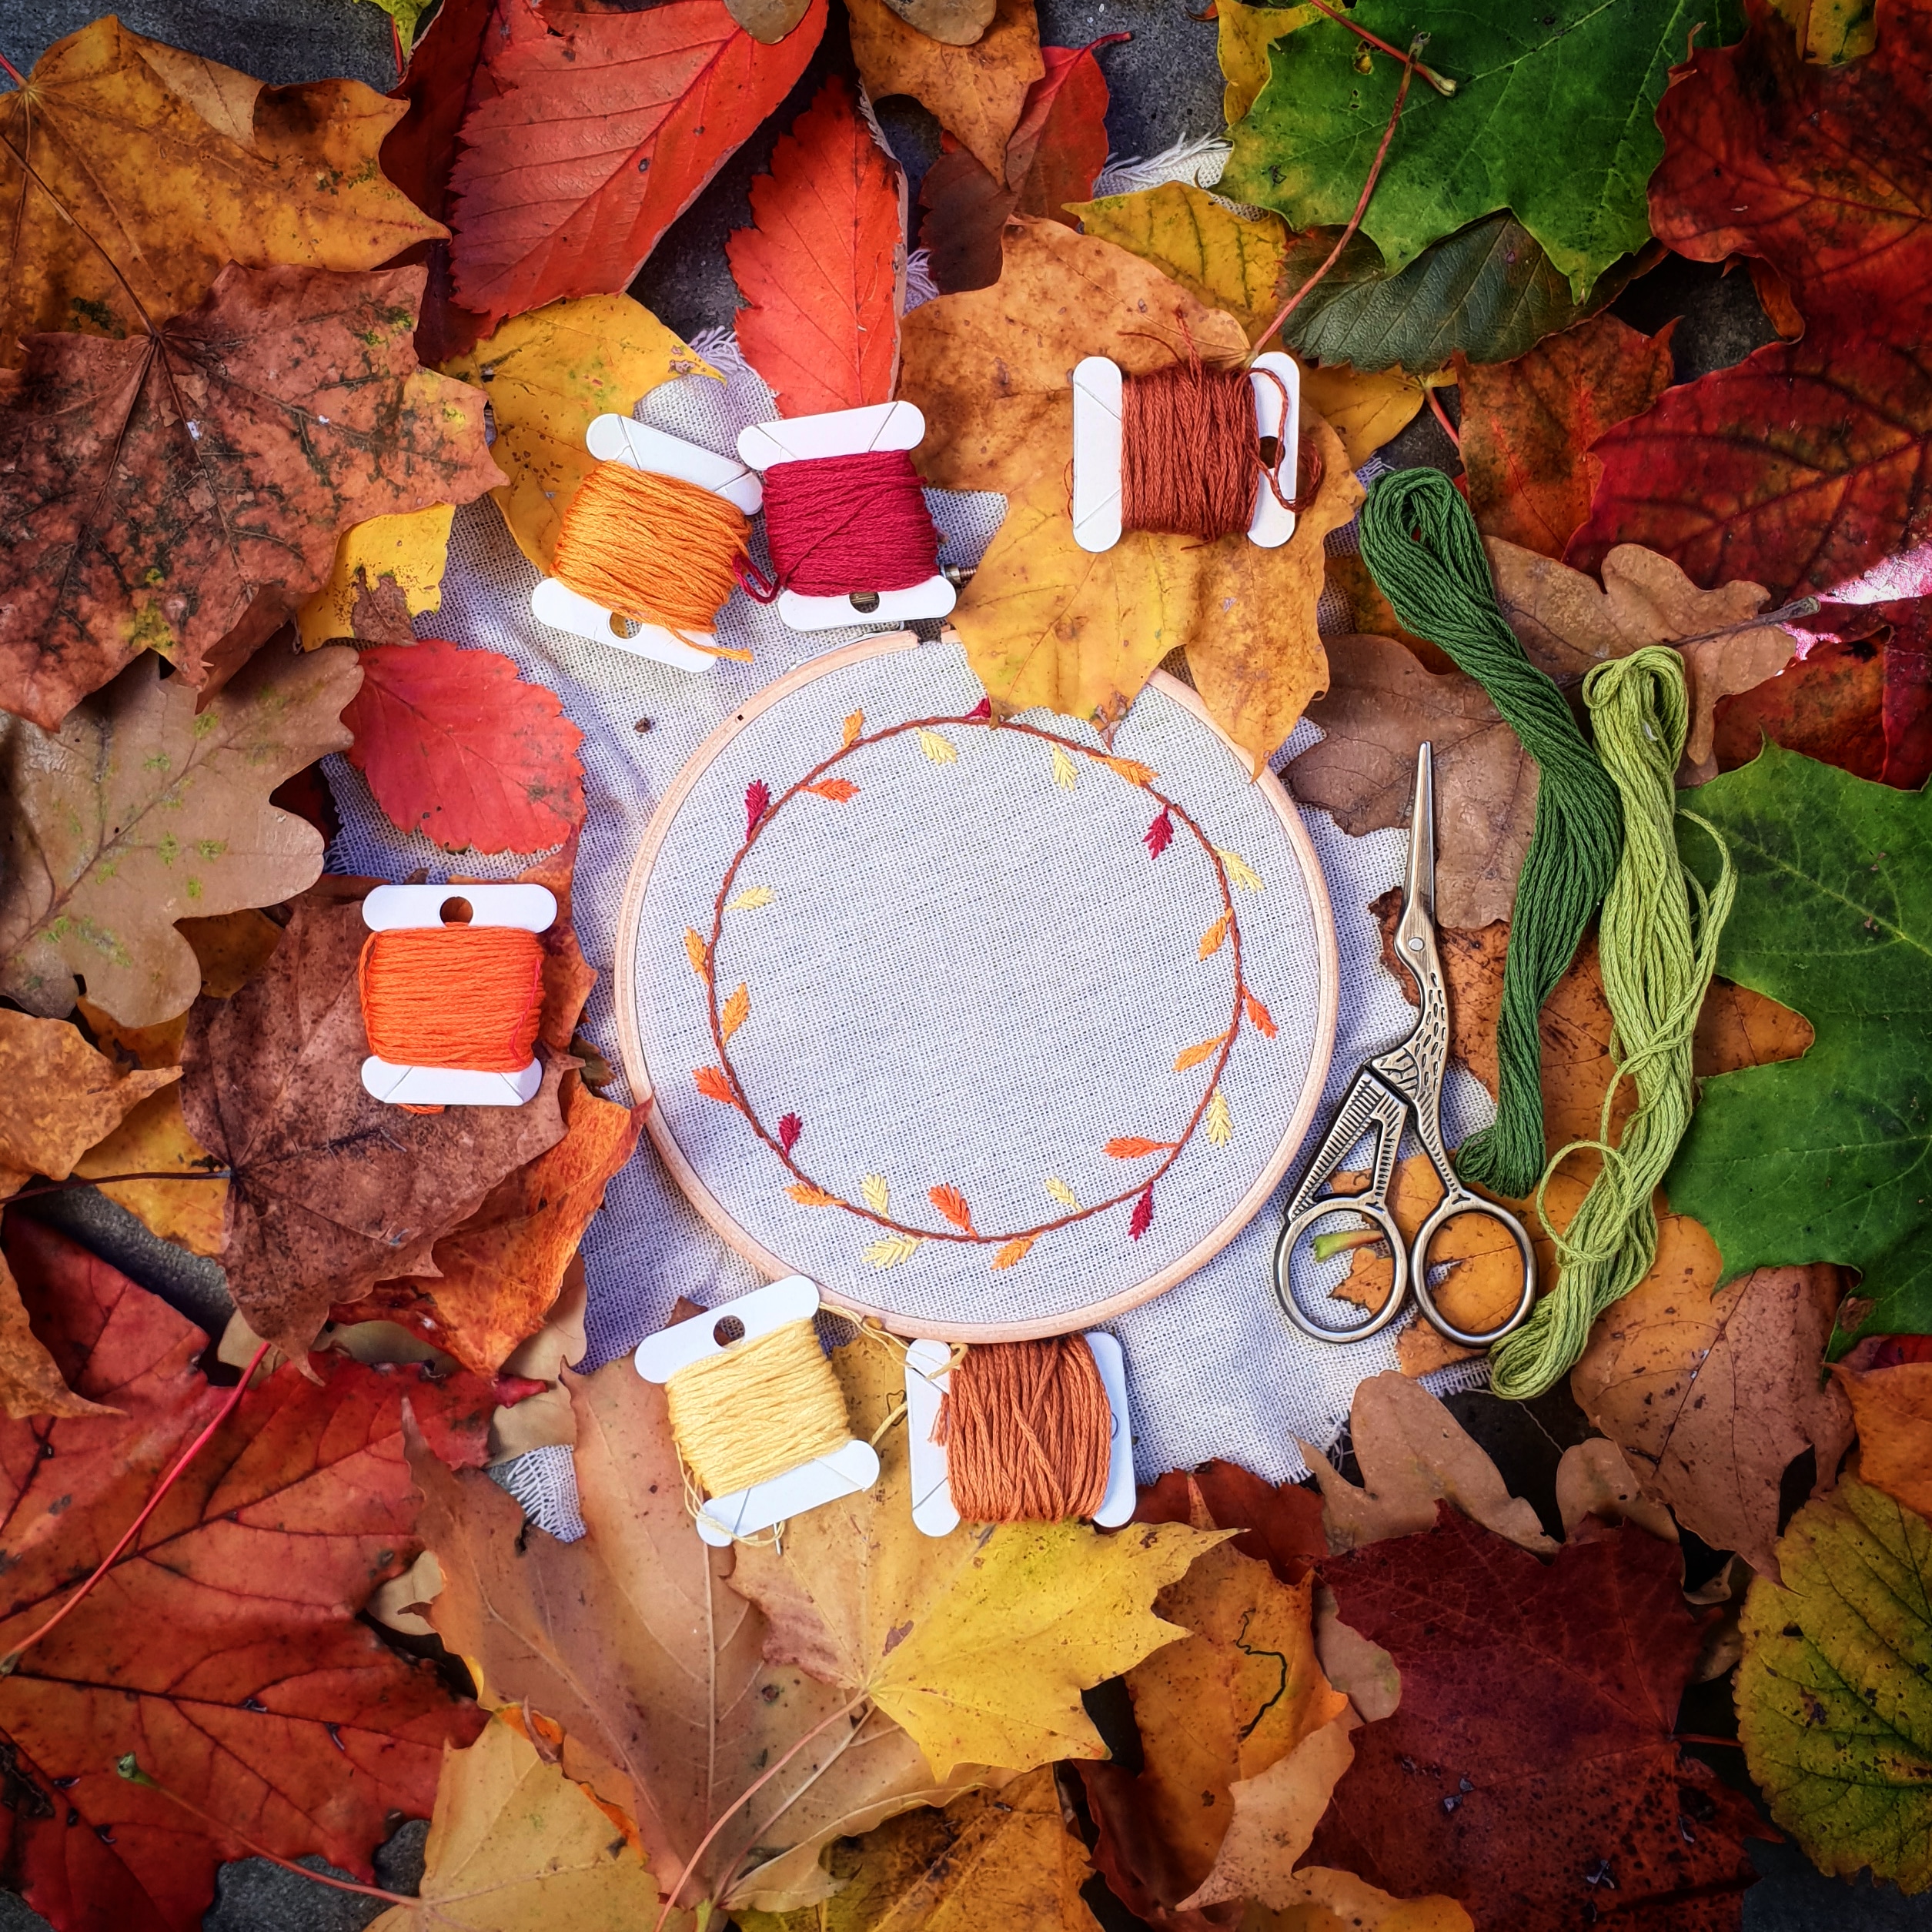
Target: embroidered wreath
[(901, 1239)]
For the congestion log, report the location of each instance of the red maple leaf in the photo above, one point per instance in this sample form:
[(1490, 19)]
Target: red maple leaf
[(1824, 172), (790, 1128), (456, 745), (982, 710), (823, 266), (757, 802), (1160, 835), (1142, 1218), (597, 138), (1530, 1765), (222, 1649), (1828, 704)]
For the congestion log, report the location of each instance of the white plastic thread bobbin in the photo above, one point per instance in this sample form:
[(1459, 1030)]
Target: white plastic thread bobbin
[(617, 438), (847, 432), (395, 908), (927, 1380), (1097, 386), (851, 1467)]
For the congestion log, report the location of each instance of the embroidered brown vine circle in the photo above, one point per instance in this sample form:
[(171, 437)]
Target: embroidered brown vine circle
[(721, 1082)]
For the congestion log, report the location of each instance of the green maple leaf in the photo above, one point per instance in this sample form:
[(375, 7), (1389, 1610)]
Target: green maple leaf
[(1828, 1157), (1553, 116)]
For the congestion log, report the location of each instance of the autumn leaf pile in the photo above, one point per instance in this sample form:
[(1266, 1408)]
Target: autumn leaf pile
[(261, 347)]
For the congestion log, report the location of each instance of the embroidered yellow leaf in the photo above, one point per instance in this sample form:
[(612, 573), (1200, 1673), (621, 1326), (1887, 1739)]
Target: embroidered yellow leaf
[(737, 1009), (875, 1194), (939, 750), (808, 1196), (1193, 1056), (697, 952), (853, 726), (1061, 1192), (751, 899), (1066, 777), (1014, 1251), (1243, 874), (1133, 771), (893, 1250), (1211, 940), (1130, 1147), (1219, 1124)]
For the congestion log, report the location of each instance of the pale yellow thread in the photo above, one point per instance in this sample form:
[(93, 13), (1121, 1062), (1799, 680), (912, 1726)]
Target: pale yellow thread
[(875, 1194), (697, 952), (737, 1009), (1064, 774), (1211, 940), (808, 1196), (1217, 1123), (749, 900), (939, 750), (1061, 1192), (1243, 874), (893, 1250), (1193, 1056), (854, 725), (722, 1409)]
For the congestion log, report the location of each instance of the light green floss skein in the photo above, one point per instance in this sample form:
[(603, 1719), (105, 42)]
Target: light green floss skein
[(1420, 543), (1658, 943)]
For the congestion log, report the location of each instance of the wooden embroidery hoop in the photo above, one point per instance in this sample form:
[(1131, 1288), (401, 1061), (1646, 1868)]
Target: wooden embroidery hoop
[(775, 1267)]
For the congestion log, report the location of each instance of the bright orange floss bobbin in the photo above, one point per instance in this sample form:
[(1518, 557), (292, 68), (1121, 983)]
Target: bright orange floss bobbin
[(452, 996)]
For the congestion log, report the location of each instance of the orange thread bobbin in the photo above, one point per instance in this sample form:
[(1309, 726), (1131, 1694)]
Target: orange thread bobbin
[(1191, 454), (1028, 1432), (655, 549), (452, 996)]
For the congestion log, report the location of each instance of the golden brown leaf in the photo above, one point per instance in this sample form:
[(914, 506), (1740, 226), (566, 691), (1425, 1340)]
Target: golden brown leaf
[(59, 1097), (1893, 1408), (386, 572), (1211, 939), (1132, 771), (855, 724)]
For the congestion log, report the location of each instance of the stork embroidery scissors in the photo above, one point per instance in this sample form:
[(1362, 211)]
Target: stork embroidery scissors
[(1402, 1087)]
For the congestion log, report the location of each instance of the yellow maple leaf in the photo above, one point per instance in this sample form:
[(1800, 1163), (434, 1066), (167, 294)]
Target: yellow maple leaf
[(397, 562)]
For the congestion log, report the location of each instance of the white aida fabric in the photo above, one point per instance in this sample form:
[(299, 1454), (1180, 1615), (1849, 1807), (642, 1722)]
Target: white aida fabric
[(974, 974), (1213, 1368)]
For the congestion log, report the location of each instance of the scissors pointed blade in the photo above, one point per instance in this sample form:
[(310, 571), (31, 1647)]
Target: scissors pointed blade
[(1418, 888)]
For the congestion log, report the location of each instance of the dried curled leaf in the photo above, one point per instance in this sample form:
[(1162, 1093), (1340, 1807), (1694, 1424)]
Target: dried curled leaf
[(939, 750), (1194, 1056), (1130, 1147), (697, 953), (1243, 874), (1061, 1192), (840, 791), (1064, 775), (749, 900), (873, 1191), (1015, 1252), (855, 724), (1258, 1016), (806, 1196), (737, 1009), (1211, 940), (952, 1204), (712, 1084), (1217, 1123), (892, 1250)]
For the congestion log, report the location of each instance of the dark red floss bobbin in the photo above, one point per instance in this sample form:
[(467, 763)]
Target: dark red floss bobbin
[(838, 525)]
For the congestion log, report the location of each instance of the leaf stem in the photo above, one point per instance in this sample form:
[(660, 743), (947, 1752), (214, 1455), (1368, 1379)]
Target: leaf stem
[(1361, 207), (105, 1180), (1441, 84), (11, 1663), (751, 1792), (13, 73)]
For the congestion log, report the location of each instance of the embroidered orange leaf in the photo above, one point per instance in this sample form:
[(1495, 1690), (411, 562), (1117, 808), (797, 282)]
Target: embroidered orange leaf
[(697, 952), (1259, 1015), (737, 1009), (952, 1204), (712, 1084), (1133, 770), (1130, 1147), (808, 1196), (1014, 1251), (1211, 940), (1193, 1056), (840, 791), (853, 726)]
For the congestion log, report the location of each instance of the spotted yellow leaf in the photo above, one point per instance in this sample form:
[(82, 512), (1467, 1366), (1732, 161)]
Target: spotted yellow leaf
[(853, 726), (875, 1194), (737, 1009), (939, 750), (751, 899), (1211, 940), (1133, 771), (1061, 1192), (892, 1250), (1193, 1056), (1014, 1251), (1217, 1123), (697, 952), (808, 1196), (1065, 776), (1243, 874)]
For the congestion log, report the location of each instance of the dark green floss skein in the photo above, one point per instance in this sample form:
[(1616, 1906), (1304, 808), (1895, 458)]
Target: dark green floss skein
[(1421, 547)]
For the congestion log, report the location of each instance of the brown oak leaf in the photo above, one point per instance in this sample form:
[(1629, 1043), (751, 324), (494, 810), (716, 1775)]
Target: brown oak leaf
[(57, 1097)]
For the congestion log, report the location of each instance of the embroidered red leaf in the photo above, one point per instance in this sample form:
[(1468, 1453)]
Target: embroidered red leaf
[(456, 745), (183, 491), (1160, 835), (790, 1128), (1142, 1218), (1262, 1020), (714, 1084), (757, 802), (1193, 1056), (1130, 1147), (952, 1204), (1015, 1252), (223, 1648), (840, 791), (982, 710), (1824, 172), (1802, 467), (597, 138), (1528, 1807), (824, 268)]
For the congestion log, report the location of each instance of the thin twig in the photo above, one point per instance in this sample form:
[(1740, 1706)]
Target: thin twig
[(13, 72), (1441, 82), (1696, 1737), (106, 1180), (11, 1663), (1361, 208), (1801, 607)]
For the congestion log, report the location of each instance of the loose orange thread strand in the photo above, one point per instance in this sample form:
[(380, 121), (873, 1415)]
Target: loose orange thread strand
[(11, 1663), (452, 996), (735, 1092), (1028, 1432), (1361, 207)]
